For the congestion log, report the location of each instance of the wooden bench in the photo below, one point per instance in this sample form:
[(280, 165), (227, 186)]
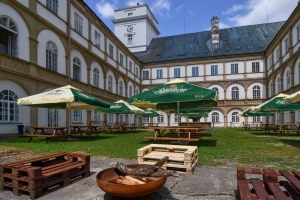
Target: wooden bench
[(114, 127), (265, 184), (40, 174), (282, 131)]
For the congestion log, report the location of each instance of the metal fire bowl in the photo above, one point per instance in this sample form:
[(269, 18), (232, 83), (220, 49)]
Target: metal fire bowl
[(127, 190)]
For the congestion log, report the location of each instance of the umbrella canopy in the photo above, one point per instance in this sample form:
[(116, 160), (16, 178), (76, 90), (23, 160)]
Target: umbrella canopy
[(276, 104), (120, 107), (250, 113), (293, 98), (170, 94), (66, 97), (149, 113)]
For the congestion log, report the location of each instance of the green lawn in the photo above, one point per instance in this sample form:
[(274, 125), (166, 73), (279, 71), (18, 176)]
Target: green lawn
[(226, 147)]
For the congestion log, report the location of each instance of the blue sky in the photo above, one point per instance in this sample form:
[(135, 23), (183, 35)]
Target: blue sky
[(187, 16)]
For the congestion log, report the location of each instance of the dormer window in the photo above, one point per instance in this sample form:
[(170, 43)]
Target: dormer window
[(130, 14)]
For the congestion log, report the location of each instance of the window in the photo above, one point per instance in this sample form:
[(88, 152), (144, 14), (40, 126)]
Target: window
[(145, 119), (176, 72), (298, 32), (96, 77), (277, 54), (130, 13), (215, 117), (137, 91), (160, 119), (130, 91), (9, 42), (195, 71), (159, 73), (288, 79), (121, 88), (270, 62), (278, 117), (97, 117), (78, 23), (77, 115), (111, 51), (52, 117), (52, 5), (256, 119), (255, 66), (234, 69), (235, 117), (278, 84), (121, 118), (146, 75), (76, 69), (121, 59), (137, 71), (176, 118), (97, 39), (298, 116), (130, 66), (214, 69), (256, 92), (272, 89), (287, 116), (110, 118), (216, 89), (235, 93), (110, 84), (286, 45), (9, 110), (129, 39), (51, 56)]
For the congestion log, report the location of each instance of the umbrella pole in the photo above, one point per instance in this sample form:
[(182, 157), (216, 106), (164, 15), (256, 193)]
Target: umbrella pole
[(178, 118)]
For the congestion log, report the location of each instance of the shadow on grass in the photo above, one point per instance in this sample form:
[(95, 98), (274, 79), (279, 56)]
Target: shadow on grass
[(206, 143), (290, 142), (262, 134)]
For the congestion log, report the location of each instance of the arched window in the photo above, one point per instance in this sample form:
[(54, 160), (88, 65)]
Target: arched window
[(51, 56), (215, 117), (96, 77), (9, 110), (256, 92), (76, 69), (235, 93), (130, 91), (235, 117), (121, 88), (9, 41), (216, 89), (137, 91), (288, 79), (52, 117), (110, 84), (278, 84)]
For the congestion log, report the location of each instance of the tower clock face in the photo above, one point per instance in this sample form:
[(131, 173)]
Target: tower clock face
[(129, 28)]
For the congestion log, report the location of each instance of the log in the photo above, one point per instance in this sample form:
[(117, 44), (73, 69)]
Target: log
[(134, 179), (125, 182)]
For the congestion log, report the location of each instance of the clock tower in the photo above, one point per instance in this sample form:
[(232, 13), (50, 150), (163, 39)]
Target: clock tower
[(135, 26)]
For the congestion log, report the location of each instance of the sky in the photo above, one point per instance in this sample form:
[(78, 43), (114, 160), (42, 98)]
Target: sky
[(177, 17)]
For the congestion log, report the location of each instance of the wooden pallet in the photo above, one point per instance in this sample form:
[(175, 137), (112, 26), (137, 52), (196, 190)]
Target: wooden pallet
[(182, 159), (36, 176)]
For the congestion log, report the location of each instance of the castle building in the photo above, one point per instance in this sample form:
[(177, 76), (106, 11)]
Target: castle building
[(45, 44)]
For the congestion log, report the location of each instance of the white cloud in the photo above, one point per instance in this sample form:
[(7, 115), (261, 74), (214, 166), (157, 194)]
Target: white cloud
[(233, 9), (179, 7), (133, 2), (191, 13), (105, 9), (256, 12), (162, 7)]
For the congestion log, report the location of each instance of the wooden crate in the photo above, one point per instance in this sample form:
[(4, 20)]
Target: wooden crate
[(36, 176), (182, 159)]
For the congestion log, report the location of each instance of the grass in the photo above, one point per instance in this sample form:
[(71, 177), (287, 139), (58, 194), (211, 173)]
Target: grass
[(227, 147)]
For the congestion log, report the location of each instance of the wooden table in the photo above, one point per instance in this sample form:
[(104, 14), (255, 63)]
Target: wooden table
[(150, 124), (266, 127), (248, 126), (39, 131), (282, 128), (88, 130)]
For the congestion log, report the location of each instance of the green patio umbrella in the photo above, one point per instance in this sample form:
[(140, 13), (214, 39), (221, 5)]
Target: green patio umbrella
[(175, 95), (293, 98), (120, 107), (66, 97), (149, 113), (275, 104), (250, 113)]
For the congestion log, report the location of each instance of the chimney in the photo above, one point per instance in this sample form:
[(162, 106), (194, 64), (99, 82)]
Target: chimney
[(215, 30)]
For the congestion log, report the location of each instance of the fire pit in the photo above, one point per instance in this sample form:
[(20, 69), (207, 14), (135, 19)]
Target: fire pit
[(105, 177)]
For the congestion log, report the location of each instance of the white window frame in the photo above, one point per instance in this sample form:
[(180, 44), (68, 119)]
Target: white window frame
[(160, 119), (288, 79), (130, 66), (52, 117), (215, 117), (129, 39), (279, 84), (256, 92), (145, 119), (97, 116), (76, 69), (52, 5), (159, 73), (130, 91), (277, 54), (216, 89), (298, 33), (256, 119), (255, 67), (286, 45), (270, 62), (176, 72), (121, 59), (110, 118), (234, 68), (51, 56), (121, 88), (176, 118), (146, 74), (195, 71), (235, 93), (111, 50), (137, 71), (77, 115), (78, 23), (214, 69), (96, 77), (110, 83), (9, 109), (235, 117), (97, 39)]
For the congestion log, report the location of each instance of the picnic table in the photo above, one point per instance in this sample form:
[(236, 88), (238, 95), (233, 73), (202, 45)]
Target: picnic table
[(150, 124), (267, 127), (88, 130), (282, 128), (248, 126), (188, 134), (40, 131)]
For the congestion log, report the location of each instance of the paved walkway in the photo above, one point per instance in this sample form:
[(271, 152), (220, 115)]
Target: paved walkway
[(206, 183)]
